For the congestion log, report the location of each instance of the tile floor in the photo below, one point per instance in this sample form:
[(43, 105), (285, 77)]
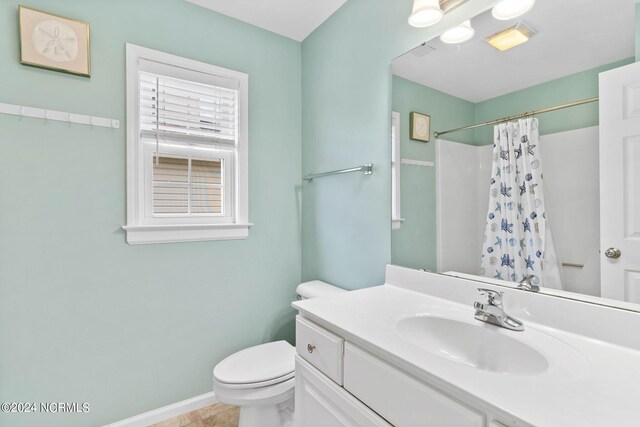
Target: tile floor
[(217, 415)]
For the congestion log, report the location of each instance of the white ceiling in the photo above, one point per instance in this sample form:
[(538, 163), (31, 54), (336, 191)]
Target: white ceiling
[(573, 36), (295, 19)]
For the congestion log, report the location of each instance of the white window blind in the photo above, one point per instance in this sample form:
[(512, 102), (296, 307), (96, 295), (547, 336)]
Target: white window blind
[(175, 108)]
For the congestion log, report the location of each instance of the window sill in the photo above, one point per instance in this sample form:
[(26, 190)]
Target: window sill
[(396, 223), (148, 234)]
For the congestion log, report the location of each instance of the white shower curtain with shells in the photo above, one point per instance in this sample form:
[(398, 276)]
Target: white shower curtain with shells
[(517, 241)]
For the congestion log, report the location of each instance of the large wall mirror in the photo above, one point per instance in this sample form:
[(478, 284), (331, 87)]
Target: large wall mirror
[(520, 181)]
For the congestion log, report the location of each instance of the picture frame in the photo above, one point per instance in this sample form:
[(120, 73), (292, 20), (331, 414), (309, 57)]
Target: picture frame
[(419, 126), (54, 42)]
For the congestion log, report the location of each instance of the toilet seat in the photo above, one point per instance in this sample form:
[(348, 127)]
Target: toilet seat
[(257, 366), (257, 384)]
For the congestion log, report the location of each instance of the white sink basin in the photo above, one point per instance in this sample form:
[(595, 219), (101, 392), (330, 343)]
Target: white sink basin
[(473, 343)]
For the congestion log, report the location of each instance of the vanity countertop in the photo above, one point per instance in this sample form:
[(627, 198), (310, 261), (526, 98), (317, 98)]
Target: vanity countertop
[(599, 386)]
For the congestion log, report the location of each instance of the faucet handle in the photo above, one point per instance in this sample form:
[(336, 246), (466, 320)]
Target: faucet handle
[(493, 297), (527, 284)]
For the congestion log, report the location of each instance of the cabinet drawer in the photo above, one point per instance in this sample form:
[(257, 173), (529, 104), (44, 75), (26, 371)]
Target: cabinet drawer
[(401, 399), (320, 347)]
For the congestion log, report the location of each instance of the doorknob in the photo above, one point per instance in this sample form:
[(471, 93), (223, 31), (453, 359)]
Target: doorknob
[(612, 253)]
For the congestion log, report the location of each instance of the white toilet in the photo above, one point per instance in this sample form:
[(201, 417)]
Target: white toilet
[(261, 379)]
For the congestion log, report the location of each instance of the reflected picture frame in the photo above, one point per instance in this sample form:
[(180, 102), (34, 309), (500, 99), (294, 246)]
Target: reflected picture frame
[(54, 42), (419, 126)]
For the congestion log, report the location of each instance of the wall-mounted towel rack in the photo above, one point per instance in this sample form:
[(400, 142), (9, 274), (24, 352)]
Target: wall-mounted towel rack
[(366, 169), (60, 116), (422, 163)]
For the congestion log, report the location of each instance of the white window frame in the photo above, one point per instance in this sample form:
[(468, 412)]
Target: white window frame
[(396, 218), (142, 226)]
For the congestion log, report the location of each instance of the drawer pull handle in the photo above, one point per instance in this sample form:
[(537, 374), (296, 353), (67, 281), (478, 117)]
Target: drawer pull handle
[(310, 348)]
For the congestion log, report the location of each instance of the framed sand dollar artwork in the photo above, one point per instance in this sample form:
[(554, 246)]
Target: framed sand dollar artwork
[(54, 42), (419, 125)]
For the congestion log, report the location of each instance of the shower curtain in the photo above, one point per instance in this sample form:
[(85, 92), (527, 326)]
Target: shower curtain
[(517, 240)]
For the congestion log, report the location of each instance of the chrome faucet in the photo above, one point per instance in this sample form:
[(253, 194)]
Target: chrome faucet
[(492, 312), (526, 284)]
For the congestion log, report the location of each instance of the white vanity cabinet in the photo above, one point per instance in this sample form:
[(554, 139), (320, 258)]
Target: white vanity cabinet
[(339, 384)]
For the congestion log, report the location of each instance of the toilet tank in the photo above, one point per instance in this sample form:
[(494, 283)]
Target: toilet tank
[(316, 289)]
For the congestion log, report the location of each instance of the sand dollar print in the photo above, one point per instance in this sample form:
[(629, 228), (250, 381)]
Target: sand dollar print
[(55, 41)]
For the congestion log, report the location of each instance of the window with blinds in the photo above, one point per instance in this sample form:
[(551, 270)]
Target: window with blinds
[(177, 111), (187, 149), (396, 220)]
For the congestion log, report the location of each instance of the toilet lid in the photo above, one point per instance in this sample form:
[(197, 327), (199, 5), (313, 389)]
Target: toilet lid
[(257, 364)]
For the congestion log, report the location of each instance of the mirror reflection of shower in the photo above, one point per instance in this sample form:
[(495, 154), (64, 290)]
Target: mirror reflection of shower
[(467, 213)]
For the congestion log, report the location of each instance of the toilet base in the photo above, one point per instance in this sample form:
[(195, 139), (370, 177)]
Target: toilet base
[(279, 415)]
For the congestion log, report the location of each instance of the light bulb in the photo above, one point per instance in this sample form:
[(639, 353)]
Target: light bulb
[(458, 34), (509, 9), (425, 13)]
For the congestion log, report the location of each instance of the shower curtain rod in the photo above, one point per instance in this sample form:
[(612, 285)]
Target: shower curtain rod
[(519, 116)]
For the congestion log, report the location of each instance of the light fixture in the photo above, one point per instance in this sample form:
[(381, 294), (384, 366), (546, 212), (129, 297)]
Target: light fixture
[(511, 37), (458, 34), (509, 9), (425, 13)]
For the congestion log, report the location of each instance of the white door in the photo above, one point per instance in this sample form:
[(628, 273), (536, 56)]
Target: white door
[(620, 183)]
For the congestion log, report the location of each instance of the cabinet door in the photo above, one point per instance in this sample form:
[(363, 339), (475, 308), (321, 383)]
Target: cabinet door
[(321, 403)]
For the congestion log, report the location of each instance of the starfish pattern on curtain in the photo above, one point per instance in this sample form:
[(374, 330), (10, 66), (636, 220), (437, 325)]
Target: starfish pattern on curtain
[(517, 242)]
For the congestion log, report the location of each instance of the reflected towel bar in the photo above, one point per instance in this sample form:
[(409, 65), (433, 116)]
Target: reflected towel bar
[(366, 169), (573, 265), (417, 163)]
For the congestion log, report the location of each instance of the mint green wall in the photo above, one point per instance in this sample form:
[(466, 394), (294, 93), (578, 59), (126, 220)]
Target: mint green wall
[(555, 92), (414, 244), (86, 318), (346, 83), (638, 31)]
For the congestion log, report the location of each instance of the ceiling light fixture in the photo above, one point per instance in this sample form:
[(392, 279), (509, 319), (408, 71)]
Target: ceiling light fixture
[(458, 34), (509, 9), (425, 13), (511, 37)]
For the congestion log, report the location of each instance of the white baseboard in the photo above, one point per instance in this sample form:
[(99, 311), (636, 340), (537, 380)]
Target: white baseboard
[(166, 412)]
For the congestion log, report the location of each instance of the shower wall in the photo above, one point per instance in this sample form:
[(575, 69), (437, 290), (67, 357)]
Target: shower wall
[(462, 177), (570, 164)]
